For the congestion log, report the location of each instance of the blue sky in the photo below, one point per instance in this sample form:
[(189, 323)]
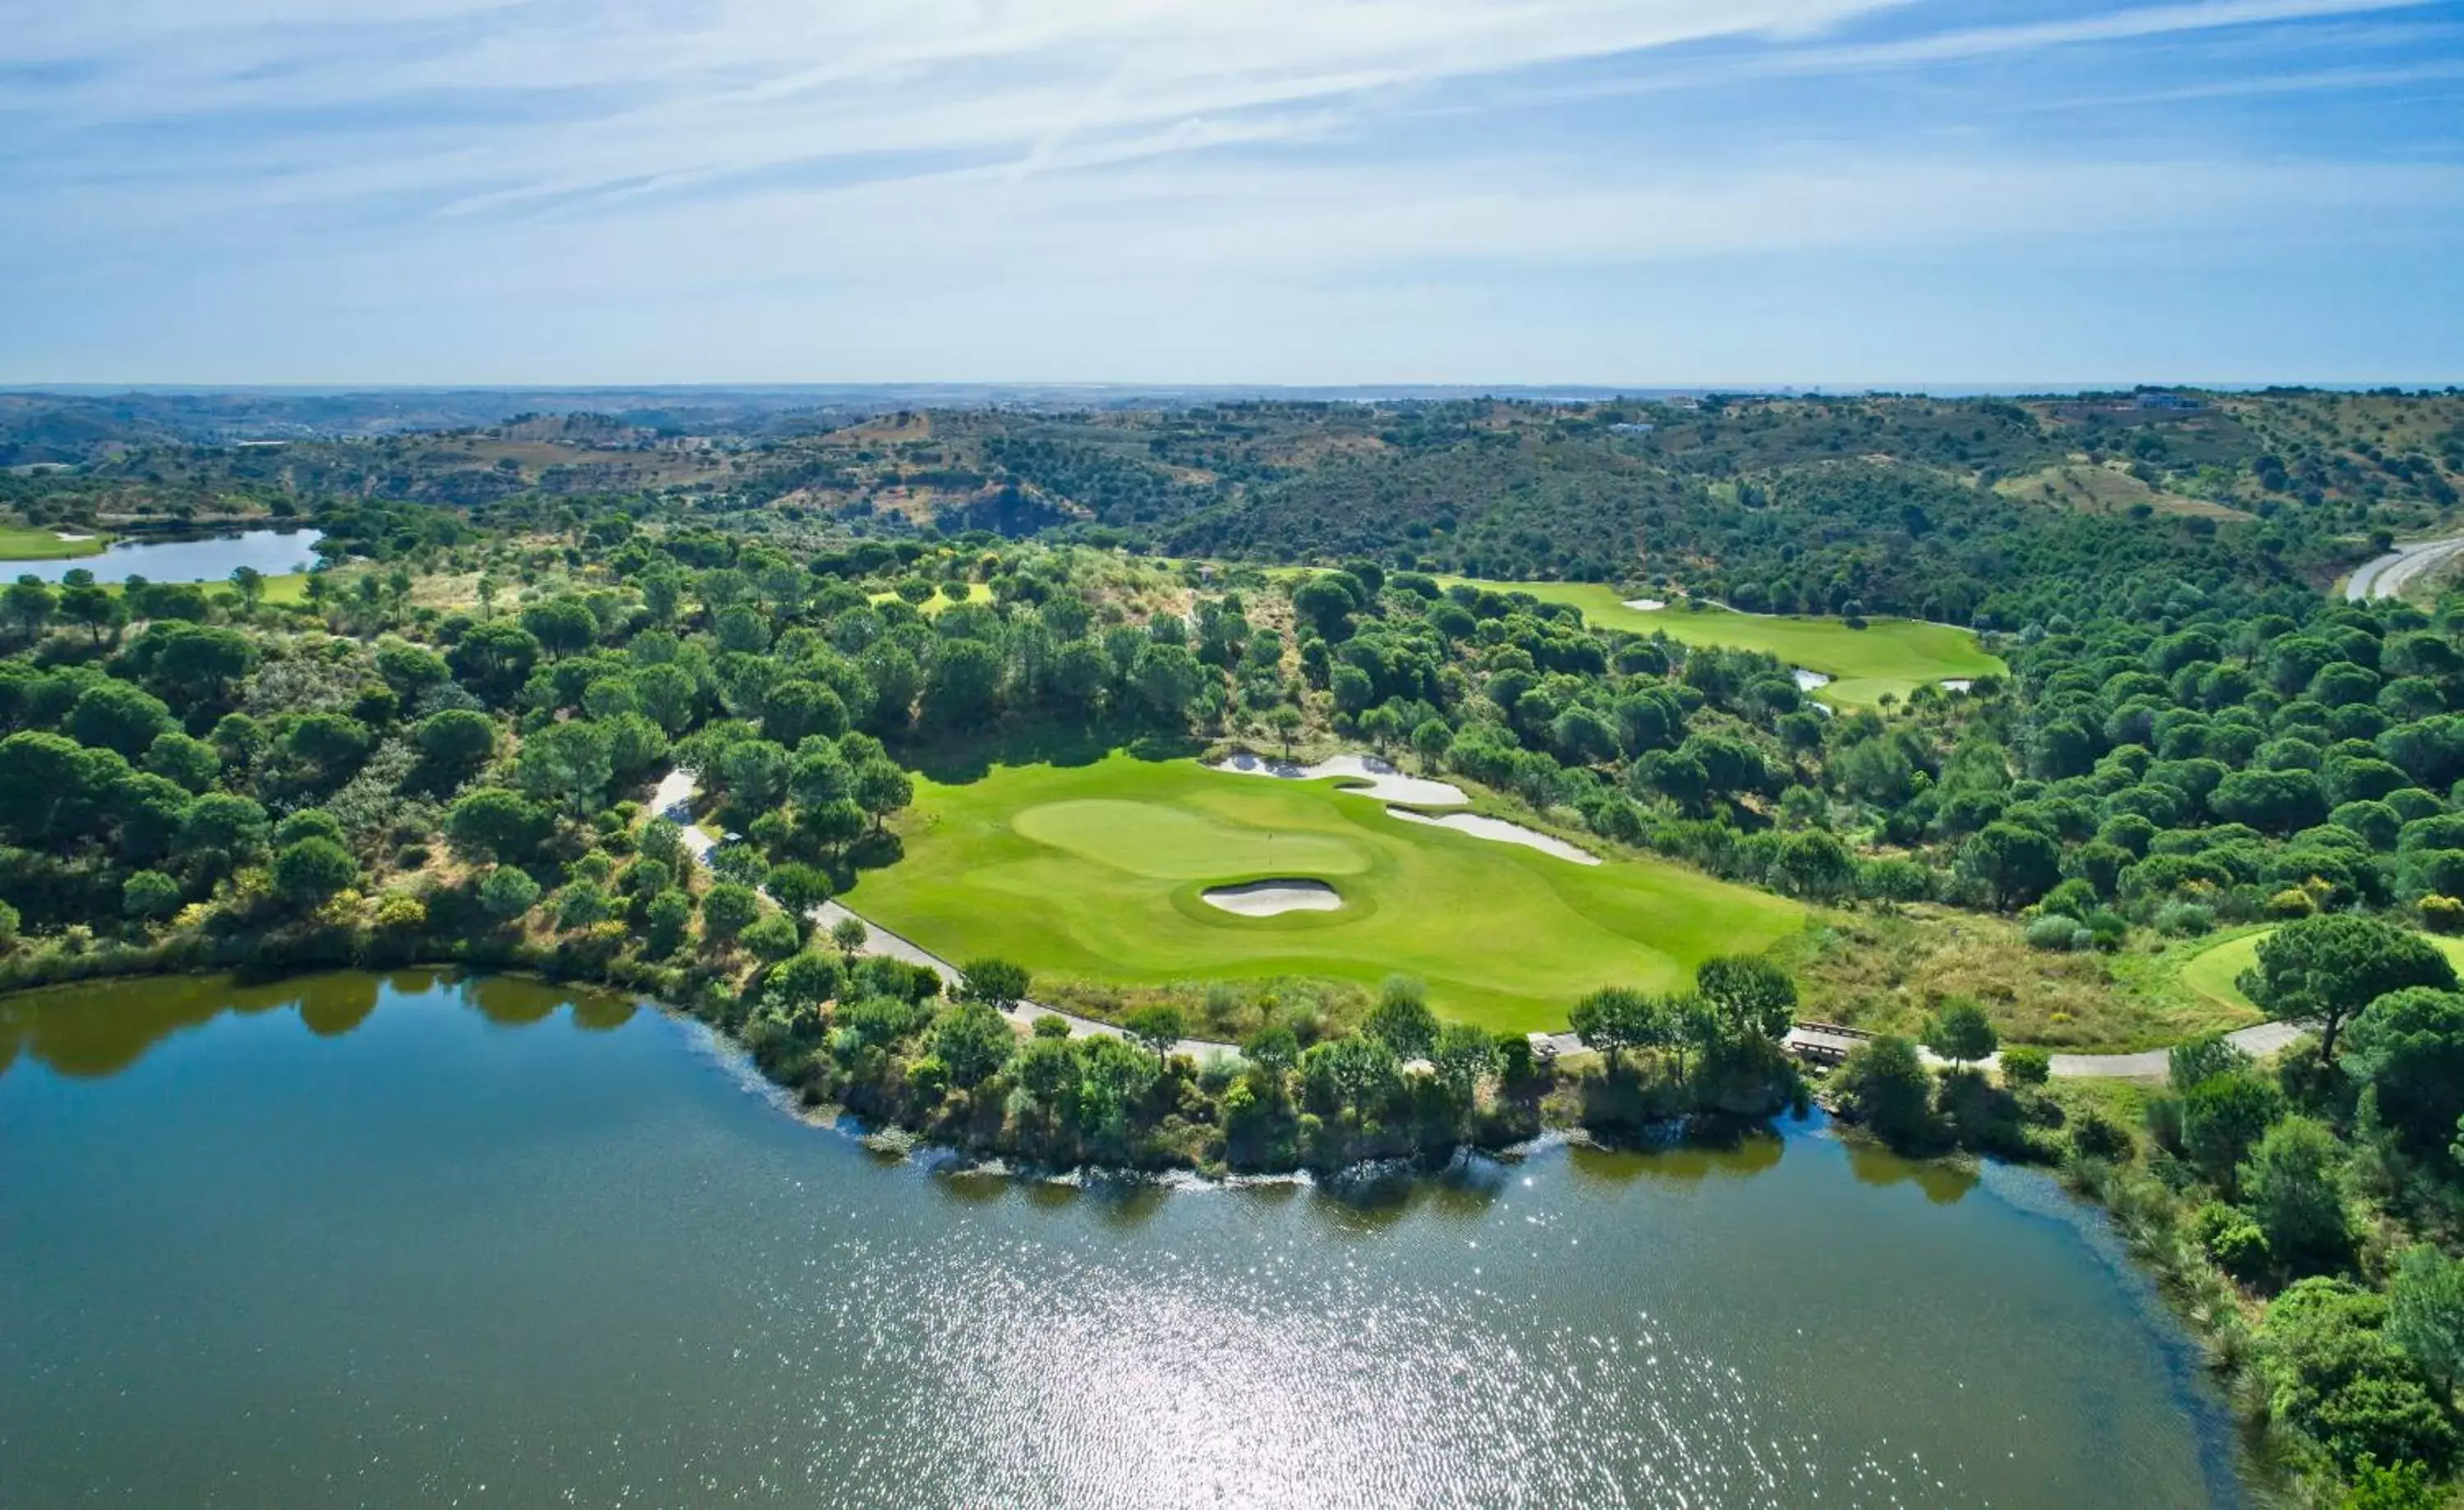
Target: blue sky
[(1891, 192)]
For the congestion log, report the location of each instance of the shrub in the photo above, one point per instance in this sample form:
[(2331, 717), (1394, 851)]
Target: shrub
[(508, 893), (2186, 919), (2053, 932), (2097, 1136), (2232, 1239), (1886, 1084), (149, 895), (400, 912), (772, 936), (2026, 1066), (2291, 903), (2442, 914)]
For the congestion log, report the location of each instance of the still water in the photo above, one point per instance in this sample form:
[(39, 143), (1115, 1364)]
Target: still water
[(417, 1242), (213, 558)]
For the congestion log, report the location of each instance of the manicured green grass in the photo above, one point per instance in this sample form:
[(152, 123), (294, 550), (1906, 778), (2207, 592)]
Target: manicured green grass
[(2212, 971), (43, 545), (976, 592), (1092, 872), (1892, 656)]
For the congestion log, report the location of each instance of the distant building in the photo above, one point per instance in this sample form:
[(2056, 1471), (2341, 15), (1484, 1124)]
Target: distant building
[(1632, 426), (2170, 401)]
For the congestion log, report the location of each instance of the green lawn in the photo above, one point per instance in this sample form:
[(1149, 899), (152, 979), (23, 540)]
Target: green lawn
[(43, 545), (1894, 656), (976, 592), (2212, 971), (1093, 873)]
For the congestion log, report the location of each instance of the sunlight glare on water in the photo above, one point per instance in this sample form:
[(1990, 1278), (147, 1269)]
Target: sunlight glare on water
[(408, 1243)]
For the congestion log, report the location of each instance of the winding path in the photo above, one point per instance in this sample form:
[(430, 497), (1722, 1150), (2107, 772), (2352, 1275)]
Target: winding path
[(2389, 575)]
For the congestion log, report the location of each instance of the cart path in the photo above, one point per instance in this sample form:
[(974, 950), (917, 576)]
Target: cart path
[(2389, 575)]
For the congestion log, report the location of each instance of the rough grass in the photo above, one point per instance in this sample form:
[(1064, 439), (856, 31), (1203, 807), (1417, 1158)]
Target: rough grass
[(2105, 490), (17, 543), (1892, 656), (1890, 973), (1090, 873)]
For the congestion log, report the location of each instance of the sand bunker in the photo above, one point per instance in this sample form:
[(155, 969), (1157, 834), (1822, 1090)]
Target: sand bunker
[(1957, 684), (1365, 775), (1501, 831), (1808, 681), (1268, 898), (1646, 605)]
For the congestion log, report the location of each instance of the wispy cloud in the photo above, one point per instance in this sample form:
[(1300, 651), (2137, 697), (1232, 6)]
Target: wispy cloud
[(896, 154)]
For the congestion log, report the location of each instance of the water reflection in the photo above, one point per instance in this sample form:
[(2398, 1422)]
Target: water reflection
[(211, 558), (1676, 1163), (305, 1262), (1942, 1182), (101, 1029), (334, 1004)]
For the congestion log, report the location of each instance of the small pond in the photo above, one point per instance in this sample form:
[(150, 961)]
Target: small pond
[(210, 558)]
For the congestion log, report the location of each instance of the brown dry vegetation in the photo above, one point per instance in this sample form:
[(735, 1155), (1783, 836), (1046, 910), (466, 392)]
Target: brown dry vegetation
[(1890, 973)]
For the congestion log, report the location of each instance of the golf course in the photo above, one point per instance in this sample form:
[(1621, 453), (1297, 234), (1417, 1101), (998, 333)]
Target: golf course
[(1100, 872), (2212, 971), (1892, 656), (19, 544)]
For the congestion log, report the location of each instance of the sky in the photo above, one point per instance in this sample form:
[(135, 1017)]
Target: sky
[(1658, 192)]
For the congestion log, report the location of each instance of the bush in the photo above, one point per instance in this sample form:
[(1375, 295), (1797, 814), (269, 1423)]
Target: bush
[(149, 895), (2026, 1066), (2053, 932), (2186, 919), (2232, 1239), (2291, 903), (1884, 1085), (2442, 914), (772, 936), (2097, 1136), (508, 893)]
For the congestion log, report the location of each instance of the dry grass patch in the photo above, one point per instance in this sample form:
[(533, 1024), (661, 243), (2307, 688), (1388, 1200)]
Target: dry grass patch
[(1890, 973)]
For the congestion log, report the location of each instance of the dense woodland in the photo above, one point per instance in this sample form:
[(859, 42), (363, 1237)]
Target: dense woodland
[(441, 746)]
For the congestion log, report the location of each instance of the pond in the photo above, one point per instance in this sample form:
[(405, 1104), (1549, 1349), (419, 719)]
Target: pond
[(210, 558), (416, 1241)]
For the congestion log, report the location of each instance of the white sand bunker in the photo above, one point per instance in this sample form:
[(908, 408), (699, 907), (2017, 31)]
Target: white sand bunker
[(1366, 774), (1957, 684), (1266, 899), (1646, 605), (1808, 681), (1501, 831)]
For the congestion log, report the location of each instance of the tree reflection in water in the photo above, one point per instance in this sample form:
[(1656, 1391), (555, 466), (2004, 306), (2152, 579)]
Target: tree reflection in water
[(99, 1028)]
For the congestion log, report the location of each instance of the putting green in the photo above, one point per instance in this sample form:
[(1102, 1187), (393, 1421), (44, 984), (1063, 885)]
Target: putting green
[(17, 543), (1094, 873), (2212, 971), (1892, 656)]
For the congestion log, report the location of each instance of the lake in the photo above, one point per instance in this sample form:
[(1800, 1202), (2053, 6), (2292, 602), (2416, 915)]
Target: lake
[(418, 1241), (211, 558)]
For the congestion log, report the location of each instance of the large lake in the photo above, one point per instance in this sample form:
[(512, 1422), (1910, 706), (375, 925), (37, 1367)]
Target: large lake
[(209, 558), (414, 1242)]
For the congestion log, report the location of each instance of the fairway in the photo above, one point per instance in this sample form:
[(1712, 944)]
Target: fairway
[(2210, 972), (1096, 872), (43, 545), (1892, 656)]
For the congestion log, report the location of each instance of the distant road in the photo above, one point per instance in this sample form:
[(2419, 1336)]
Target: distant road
[(2387, 576)]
